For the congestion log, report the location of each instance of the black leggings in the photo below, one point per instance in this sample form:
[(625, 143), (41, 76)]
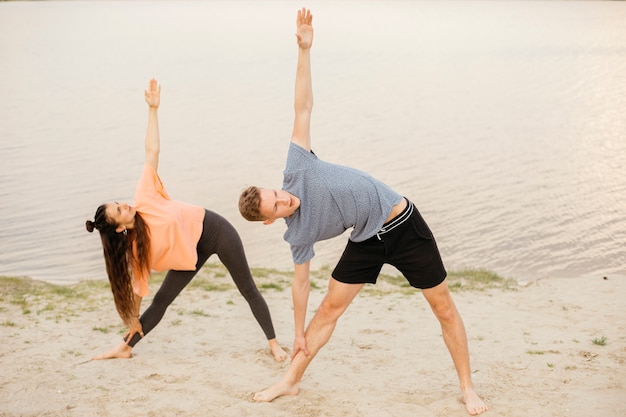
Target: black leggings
[(221, 238)]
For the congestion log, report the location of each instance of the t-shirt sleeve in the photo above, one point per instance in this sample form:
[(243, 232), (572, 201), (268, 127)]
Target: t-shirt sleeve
[(298, 158), (150, 183), (302, 253)]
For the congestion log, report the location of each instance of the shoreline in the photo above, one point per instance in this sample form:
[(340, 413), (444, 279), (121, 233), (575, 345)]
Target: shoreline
[(555, 347)]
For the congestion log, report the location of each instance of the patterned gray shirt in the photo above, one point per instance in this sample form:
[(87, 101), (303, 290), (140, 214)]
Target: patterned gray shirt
[(333, 198)]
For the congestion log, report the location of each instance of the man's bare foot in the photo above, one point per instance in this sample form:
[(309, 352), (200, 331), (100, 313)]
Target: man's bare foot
[(278, 352), (473, 403), (121, 351), (277, 390)]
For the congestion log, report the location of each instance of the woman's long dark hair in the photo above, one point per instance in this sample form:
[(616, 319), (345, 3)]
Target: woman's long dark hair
[(120, 258)]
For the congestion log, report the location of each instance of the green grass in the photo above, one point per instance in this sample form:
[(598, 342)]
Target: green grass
[(478, 280), (200, 313), (271, 286), (38, 299), (600, 341), (47, 300), (104, 330)]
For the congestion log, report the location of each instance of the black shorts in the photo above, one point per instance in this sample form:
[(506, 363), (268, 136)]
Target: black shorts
[(410, 247)]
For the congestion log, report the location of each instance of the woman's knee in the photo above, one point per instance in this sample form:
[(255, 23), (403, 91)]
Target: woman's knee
[(250, 292), (162, 300)]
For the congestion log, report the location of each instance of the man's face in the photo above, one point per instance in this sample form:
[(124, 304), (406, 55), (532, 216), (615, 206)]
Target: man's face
[(276, 204)]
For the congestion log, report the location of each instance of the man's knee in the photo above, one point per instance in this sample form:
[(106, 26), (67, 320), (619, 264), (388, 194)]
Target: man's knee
[(442, 304), (330, 310), (337, 300), (445, 311)]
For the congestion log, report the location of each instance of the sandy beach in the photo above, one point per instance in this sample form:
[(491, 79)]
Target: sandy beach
[(553, 347)]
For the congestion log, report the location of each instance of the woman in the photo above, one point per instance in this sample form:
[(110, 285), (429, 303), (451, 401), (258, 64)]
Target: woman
[(159, 234)]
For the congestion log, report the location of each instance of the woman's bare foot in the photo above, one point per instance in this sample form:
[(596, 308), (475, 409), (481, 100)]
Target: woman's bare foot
[(121, 351), (277, 390), (278, 352), (473, 403)]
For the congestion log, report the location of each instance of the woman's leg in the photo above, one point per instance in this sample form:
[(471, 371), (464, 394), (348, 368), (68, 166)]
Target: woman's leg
[(220, 237), (229, 249), (172, 285)]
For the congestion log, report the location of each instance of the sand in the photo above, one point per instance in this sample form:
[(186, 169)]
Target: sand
[(555, 347)]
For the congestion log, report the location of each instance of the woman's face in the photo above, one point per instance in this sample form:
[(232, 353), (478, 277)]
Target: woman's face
[(122, 214)]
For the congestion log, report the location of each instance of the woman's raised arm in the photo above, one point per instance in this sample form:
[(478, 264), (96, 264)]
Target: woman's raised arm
[(153, 143)]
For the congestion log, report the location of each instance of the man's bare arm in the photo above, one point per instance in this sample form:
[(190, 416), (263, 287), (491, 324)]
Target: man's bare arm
[(303, 102)]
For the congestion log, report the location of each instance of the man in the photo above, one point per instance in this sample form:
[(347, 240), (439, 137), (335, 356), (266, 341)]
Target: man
[(319, 201)]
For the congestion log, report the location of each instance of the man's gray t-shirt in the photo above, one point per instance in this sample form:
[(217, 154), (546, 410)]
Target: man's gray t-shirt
[(333, 198)]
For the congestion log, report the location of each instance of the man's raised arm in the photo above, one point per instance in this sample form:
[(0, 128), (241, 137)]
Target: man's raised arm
[(303, 103)]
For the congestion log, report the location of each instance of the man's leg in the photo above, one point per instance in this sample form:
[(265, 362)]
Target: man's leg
[(317, 334), (454, 336)]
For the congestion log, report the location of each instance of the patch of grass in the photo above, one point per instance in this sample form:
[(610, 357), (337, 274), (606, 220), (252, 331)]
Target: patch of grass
[(51, 301), (272, 279), (104, 330), (535, 352), (397, 280), (95, 284), (215, 278), (206, 285), (270, 273), (316, 283), (47, 307), (478, 280), (271, 286), (200, 313), (12, 287), (600, 341), (212, 277), (71, 352), (462, 280), (387, 283), (220, 274), (64, 291), (319, 278), (66, 302)]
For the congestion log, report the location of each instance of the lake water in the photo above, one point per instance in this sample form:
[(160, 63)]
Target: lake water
[(503, 121)]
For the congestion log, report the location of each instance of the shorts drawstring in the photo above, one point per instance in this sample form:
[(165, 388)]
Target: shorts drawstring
[(396, 221)]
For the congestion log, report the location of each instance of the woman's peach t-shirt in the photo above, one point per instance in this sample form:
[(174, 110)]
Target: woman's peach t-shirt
[(175, 229)]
